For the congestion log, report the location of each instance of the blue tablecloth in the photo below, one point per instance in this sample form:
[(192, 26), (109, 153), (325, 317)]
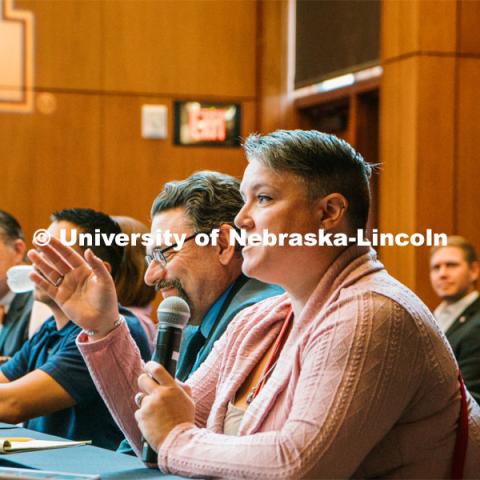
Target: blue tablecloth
[(7, 425), (83, 459)]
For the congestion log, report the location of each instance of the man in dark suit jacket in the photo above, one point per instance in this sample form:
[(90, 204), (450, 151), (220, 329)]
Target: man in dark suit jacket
[(15, 309), (454, 270)]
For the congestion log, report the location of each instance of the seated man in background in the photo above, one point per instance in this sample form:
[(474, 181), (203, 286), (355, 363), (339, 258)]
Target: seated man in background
[(47, 384), (454, 271), (15, 309)]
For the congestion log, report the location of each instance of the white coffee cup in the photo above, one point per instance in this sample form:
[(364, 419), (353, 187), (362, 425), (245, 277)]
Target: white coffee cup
[(18, 279)]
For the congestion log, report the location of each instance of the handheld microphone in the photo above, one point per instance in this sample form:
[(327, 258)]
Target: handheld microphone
[(173, 315)]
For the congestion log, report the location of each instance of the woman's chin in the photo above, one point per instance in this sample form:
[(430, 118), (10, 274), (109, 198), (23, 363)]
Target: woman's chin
[(253, 267), (248, 265)]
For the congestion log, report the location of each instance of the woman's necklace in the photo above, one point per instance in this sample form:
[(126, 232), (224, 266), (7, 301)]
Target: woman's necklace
[(272, 362)]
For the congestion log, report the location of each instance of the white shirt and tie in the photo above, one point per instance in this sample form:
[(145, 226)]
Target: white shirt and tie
[(446, 314)]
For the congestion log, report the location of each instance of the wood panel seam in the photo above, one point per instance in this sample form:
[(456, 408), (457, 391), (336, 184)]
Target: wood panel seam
[(258, 62), (429, 53), (456, 98), (120, 93)]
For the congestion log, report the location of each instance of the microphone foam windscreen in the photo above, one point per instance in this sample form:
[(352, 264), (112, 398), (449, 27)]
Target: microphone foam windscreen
[(173, 311)]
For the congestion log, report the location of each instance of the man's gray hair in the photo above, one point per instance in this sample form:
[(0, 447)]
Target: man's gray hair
[(210, 199), (326, 164)]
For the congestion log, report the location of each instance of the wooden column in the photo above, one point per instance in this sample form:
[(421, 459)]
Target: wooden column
[(429, 128), (275, 109)]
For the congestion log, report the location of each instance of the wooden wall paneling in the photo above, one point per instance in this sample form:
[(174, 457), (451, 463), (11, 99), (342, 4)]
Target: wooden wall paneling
[(135, 169), (436, 27), (352, 125), (397, 154), (417, 25), (366, 131), (468, 134), (51, 159), (16, 164), (398, 28), (275, 104), (418, 130), (68, 47), (436, 206), (436, 144), (65, 168), (469, 20), (417, 151), (192, 47), (366, 142)]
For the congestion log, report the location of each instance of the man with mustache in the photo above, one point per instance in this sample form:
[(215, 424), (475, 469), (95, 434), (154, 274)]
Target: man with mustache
[(208, 278)]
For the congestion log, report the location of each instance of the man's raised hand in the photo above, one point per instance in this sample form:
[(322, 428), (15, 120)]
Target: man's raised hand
[(81, 286)]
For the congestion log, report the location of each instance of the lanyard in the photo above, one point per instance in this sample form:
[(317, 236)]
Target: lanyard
[(272, 361), (461, 441)]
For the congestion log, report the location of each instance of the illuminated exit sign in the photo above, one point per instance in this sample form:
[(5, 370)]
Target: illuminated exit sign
[(207, 124)]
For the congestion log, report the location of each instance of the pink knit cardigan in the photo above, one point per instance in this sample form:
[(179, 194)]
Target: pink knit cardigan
[(365, 386)]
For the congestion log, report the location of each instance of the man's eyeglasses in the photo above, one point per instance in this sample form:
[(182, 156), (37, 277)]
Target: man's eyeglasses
[(158, 254)]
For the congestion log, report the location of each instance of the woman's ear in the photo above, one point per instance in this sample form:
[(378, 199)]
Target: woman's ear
[(332, 209), (225, 244)]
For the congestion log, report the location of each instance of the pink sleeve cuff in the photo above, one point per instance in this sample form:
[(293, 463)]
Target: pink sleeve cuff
[(169, 442), (86, 344), (116, 357)]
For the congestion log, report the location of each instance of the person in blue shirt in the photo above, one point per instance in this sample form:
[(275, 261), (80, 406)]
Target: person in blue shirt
[(47, 384)]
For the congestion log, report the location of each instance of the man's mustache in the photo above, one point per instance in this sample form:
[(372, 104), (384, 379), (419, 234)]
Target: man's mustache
[(168, 284)]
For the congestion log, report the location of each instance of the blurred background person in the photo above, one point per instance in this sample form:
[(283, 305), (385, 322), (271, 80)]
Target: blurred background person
[(454, 271), (47, 384), (132, 291), (15, 309)]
